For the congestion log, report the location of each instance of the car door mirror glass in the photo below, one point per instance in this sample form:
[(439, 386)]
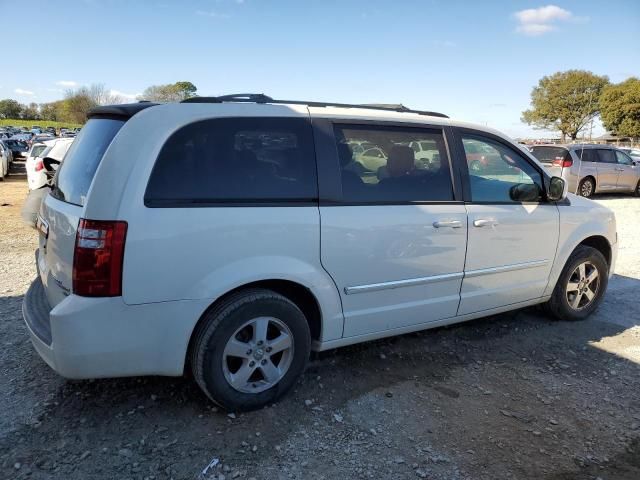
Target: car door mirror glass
[(557, 189), (525, 192)]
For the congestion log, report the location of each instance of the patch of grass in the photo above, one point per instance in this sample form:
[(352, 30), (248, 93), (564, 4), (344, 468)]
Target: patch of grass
[(41, 123)]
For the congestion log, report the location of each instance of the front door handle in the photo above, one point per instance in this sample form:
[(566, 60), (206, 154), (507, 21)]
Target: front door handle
[(485, 222), (448, 223)]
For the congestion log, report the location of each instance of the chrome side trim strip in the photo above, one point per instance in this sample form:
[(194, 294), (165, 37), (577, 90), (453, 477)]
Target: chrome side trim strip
[(402, 283), (505, 268), (374, 287)]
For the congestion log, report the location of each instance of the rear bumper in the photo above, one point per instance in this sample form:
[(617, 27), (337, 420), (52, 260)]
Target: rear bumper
[(104, 337)]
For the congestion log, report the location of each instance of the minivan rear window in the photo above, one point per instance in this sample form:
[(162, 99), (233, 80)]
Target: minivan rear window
[(236, 160), (76, 172), (550, 154)]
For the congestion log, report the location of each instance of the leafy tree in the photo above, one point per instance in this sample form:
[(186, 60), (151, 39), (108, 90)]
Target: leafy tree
[(565, 101), (10, 108), (186, 89), (172, 92), (30, 112), (51, 111), (620, 108), (76, 105)]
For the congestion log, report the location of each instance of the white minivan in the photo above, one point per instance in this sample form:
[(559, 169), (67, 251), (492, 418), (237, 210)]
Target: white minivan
[(232, 235)]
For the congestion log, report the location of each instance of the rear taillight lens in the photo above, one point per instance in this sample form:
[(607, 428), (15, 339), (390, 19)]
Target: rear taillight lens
[(39, 165), (98, 258), (562, 162)]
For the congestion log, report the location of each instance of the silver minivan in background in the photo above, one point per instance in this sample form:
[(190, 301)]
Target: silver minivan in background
[(590, 169)]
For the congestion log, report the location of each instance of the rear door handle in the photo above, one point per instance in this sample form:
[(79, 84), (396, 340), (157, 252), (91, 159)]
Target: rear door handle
[(485, 222), (448, 223)]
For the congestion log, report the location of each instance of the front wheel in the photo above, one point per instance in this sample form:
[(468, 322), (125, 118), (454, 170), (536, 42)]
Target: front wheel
[(581, 286), (250, 349)]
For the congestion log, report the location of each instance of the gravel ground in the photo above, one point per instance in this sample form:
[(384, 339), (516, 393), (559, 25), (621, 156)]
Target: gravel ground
[(511, 396)]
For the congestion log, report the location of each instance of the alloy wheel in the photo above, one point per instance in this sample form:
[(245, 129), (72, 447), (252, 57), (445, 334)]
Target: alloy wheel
[(258, 355), (586, 189), (583, 286)]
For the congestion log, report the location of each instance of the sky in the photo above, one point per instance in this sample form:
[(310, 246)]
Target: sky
[(473, 60)]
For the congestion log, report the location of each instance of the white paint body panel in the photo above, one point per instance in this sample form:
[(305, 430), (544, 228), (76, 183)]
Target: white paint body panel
[(178, 261), (364, 245), (522, 234)]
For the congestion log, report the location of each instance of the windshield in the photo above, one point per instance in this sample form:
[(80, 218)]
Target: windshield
[(81, 162)]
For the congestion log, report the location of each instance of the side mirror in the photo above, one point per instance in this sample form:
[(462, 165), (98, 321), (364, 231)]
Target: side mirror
[(557, 189), (525, 192)]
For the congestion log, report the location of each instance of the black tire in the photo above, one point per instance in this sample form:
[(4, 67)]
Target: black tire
[(636, 192), (217, 327), (587, 187), (558, 305)]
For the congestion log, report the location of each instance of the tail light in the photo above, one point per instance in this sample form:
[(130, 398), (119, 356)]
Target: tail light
[(39, 165), (562, 162), (98, 258)]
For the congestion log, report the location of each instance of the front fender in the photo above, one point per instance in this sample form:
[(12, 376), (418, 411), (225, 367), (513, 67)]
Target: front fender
[(579, 221)]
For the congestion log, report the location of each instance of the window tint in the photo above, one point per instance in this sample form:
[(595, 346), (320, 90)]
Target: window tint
[(606, 156), (76, 172), (393, 170), (623, 159), (236, 160), (37, 150), (587, 155), (498, 173), (550, 154)]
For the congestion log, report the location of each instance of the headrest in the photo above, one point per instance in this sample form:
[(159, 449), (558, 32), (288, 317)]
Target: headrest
[(401, 161)]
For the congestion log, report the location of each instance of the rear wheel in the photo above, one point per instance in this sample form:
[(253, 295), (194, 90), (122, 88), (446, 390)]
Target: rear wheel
[(581, 286), (250, 349), (586, 188), (636, 192)]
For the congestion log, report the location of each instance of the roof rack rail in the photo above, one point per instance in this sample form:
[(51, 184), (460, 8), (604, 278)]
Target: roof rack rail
[(262, 98)]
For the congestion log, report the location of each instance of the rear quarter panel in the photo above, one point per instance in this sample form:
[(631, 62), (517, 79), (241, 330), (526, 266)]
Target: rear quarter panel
[(175, 254)]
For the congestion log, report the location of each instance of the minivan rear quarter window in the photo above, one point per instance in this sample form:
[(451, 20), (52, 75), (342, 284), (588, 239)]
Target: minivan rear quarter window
[(547, 154), (76, 172), (225, 161)]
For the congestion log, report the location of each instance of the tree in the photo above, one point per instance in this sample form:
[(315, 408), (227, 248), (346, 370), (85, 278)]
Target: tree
[(620, 108), (30, 112), (10, 108), (185, 89), (565, 101), (172, 92), (76, 105), (51, 111)]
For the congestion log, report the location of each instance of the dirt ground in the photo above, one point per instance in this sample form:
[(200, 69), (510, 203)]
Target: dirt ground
[(514, 396)]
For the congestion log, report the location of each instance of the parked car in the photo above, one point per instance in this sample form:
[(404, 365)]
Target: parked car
[(150, 267), (427, 152), (590, 169), (50, 130), (52, 148), (5, 160), (484, 158), (634, 153), (68, 134), (19, 148)]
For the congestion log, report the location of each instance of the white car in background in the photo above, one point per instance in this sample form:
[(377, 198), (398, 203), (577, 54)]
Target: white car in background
[(5, 160), (56, 149)]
